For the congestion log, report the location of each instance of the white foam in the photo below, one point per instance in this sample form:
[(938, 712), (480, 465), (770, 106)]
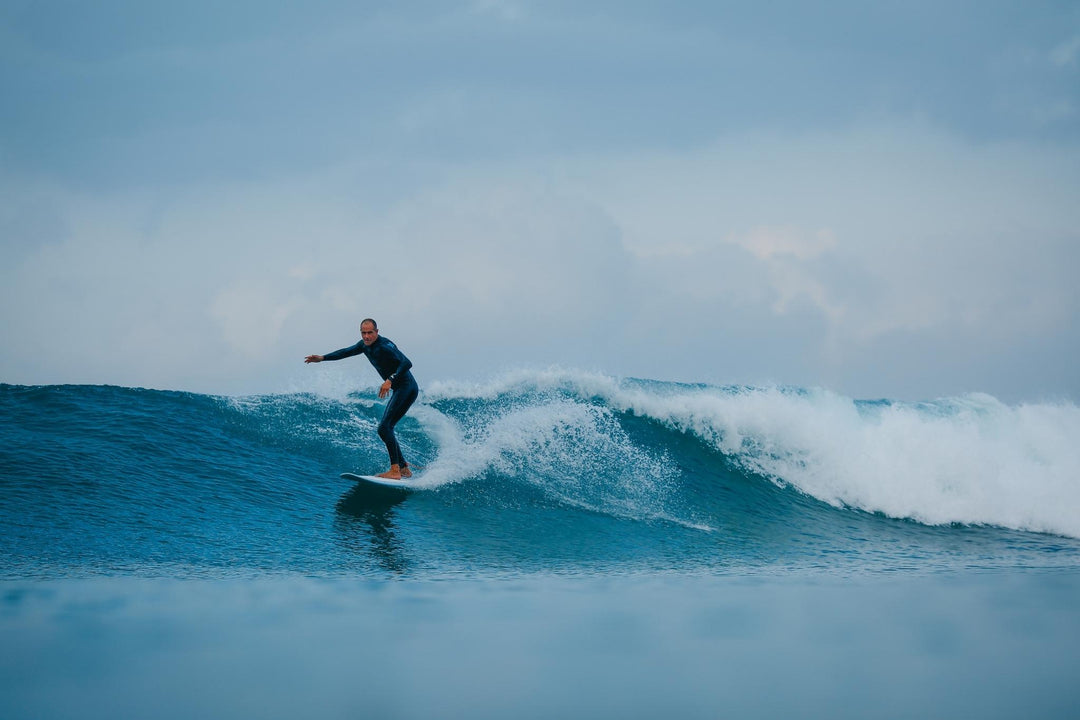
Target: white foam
[(970, 460), (572, 451)]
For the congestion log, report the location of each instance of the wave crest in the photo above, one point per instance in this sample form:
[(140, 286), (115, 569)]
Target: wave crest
[(969, 460)]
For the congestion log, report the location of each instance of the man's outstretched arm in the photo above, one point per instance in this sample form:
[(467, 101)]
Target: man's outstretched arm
[(337, 354)]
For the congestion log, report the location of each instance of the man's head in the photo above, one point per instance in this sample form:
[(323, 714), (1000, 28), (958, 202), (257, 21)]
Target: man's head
[(369, 331)]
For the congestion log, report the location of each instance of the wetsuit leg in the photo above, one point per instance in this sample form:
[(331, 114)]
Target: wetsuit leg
[(401, 400)]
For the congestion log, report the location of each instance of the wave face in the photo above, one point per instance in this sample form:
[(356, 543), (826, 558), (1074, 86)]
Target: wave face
[(558, 471)]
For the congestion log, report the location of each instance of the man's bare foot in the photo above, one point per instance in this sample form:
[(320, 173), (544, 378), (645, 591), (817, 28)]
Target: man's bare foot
[(405, 471), (394, 473)]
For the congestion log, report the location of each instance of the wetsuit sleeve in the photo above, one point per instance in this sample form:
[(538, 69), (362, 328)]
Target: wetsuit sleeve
[(404, 363), (343, 353)]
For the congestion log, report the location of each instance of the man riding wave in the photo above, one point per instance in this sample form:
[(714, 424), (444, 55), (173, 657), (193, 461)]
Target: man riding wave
[(398, 382)]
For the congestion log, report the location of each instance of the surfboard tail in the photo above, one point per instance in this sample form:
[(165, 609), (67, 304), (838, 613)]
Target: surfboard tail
[(401, 484)]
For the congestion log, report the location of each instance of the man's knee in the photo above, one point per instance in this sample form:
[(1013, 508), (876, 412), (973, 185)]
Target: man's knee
[(386, 431)]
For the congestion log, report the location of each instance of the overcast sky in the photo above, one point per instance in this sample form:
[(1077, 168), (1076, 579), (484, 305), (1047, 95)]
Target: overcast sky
[(880, 198)]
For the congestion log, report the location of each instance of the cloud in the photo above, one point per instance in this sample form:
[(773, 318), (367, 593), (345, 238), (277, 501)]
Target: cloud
[(250, 317), (128, 95), (1065, 55), (900, 216), (702, 192), (765, 243), (695, 266), (507, 10)]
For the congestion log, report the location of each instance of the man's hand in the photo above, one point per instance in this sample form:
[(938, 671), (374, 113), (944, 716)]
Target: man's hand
[(384, 389), (313, 358)]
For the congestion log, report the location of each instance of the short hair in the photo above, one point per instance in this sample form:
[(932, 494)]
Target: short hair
[(374, 324)]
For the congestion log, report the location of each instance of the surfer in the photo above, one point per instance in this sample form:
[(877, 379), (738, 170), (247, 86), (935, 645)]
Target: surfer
[(398, 382)]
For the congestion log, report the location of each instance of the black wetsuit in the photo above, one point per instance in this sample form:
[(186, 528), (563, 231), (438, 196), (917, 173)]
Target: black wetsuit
[(392, 365)]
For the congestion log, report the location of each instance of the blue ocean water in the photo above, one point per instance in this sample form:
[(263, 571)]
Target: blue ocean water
[(578, 544)]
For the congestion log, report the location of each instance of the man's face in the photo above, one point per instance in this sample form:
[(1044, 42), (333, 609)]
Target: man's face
[(368, 333)]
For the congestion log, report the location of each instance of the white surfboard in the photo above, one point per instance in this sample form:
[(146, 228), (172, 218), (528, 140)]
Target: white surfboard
[(402, 484)]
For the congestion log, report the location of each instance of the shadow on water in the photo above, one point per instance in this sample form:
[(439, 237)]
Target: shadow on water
[(366, 522)]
